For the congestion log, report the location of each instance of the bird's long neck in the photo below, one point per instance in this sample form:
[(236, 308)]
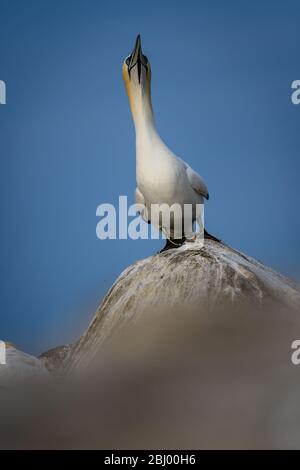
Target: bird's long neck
[(142, 113)]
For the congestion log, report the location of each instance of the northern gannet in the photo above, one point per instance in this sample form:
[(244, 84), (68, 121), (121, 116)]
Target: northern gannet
[(162, 177)]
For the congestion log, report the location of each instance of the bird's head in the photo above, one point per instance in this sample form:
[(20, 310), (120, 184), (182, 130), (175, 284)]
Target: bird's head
[(137, 72)]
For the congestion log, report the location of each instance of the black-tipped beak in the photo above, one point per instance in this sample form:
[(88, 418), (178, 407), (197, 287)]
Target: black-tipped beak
[(136, 53), (137, 58)]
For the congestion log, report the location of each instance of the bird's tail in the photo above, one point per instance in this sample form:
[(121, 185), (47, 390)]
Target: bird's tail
[(211, 237)]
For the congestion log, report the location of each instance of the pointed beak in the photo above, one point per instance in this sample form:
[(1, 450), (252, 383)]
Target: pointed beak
[(136, 54), (136, 57)]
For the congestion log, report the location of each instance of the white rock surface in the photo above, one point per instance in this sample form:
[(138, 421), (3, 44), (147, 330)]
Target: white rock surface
[(20, 368), (201, 277)]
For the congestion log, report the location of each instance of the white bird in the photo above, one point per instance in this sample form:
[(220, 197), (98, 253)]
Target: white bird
[(162, 177)]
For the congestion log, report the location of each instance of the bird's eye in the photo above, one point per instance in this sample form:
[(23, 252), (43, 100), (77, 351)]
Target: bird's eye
[(128, 60)]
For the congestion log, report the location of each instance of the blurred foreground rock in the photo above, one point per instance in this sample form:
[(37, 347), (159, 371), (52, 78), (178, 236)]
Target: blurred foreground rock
[(190, 349), (54, 358)]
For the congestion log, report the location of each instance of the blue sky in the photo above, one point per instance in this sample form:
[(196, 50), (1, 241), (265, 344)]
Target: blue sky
[(221, 86)]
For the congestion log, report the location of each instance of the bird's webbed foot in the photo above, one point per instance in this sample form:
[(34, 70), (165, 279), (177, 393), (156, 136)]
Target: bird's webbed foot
[(172, 244)]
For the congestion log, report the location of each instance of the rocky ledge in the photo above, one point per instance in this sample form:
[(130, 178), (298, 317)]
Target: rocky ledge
[(192, 275)]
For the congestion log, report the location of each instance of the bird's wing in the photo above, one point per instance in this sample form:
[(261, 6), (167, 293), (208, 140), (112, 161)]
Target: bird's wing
[(196, 181)]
